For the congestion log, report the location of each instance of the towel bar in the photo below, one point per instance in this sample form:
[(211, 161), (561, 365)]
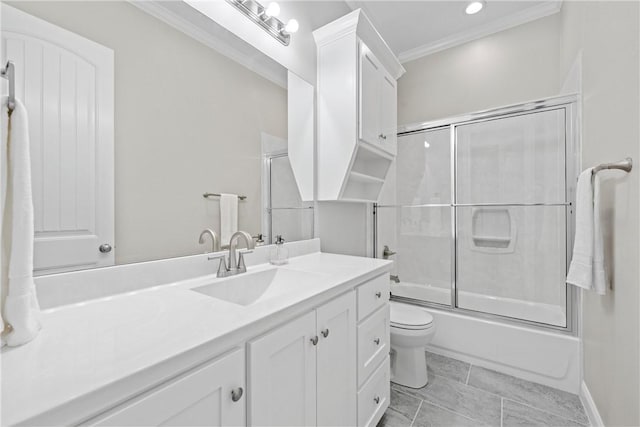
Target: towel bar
[(207, 195), (624, 165), (8, 72)]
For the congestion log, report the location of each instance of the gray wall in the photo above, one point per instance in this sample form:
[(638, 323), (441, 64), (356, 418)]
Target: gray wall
[(508, 67), (607, 33), (187, 121)]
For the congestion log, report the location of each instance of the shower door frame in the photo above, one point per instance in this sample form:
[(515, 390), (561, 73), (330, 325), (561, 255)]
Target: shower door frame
[(268, 200), (570, 105)]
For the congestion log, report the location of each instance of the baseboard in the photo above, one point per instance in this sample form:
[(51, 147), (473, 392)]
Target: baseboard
[(590, 406)]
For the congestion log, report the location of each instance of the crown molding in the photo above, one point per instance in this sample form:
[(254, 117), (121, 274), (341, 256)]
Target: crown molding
[(531, 14), (210, 40)]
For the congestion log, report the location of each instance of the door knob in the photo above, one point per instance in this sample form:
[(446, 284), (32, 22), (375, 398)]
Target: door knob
[(378, 294), (325, 332), (314, 340), (236, 394), (377, 341), (105, 248), (376, 399)]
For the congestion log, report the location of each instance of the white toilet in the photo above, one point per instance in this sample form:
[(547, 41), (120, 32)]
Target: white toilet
[(411, 330)]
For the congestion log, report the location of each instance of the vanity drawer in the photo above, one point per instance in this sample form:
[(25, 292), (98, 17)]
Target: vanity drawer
[(373, 342), (372, 295), (373, 398)]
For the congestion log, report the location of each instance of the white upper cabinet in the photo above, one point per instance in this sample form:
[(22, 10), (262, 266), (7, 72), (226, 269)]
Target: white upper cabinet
[(378, 101), (357, 109)]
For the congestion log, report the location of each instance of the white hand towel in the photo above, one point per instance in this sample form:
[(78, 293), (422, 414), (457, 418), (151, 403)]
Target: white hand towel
[(228, 216), (20, 305), (587, 268)]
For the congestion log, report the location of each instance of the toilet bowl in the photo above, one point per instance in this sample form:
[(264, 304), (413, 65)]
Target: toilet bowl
[(411, 330)]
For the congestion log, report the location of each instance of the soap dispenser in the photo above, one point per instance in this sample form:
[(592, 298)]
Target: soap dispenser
[(279, 254)]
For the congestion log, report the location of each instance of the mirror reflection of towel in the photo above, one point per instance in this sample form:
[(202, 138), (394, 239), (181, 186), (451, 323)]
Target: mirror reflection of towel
[(228, 216)]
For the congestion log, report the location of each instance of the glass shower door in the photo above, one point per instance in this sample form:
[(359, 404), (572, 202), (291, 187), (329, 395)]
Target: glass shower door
[(511, 217), (417, 223)]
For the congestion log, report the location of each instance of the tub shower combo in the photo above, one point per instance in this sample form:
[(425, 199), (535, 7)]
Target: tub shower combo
[(478, 214)]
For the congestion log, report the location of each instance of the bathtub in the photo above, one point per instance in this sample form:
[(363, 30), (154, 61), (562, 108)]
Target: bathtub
[(543, 356), (510, 307)]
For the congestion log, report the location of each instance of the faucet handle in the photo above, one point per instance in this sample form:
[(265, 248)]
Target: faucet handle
[(241, 265), (222, 267)]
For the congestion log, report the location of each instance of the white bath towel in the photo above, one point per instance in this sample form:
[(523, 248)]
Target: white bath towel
[(587, 269), (228, 216), (20, 307)]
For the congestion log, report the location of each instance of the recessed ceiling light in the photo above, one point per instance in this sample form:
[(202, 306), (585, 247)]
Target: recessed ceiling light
[(474, 7)]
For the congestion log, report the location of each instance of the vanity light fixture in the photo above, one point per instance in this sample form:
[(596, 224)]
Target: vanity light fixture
[(474, 7), (266, 19)]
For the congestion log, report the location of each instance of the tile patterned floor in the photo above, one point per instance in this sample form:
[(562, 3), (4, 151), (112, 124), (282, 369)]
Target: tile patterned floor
[(460, 395)]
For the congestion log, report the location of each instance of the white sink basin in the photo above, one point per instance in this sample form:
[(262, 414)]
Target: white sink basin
[(247, 288)]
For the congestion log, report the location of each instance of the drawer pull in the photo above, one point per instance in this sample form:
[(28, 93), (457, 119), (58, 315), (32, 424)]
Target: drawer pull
[(314, 340), (236, 394), (379, 294), (376, 399), (377, 341), (325, 332)]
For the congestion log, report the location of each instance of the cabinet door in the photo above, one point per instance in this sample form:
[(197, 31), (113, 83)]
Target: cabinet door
[(337, 362), (388, 112), (370, 97), (200, 398), (282, 375)]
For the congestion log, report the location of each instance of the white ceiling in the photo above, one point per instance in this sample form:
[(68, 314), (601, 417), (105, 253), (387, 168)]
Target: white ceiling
[(417, 28), (411, 28)]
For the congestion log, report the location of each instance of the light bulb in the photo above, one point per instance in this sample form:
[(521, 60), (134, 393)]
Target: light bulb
[(292, 26), (474, 7), (272, 10)]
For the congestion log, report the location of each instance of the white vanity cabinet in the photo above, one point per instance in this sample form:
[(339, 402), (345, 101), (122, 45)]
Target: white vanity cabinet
[(357, 109), (374, 343), (304, 373), (211, 395)]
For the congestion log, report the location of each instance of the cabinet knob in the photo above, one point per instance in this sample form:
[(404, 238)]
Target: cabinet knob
[(314, 340), (325, 332), (377, 341), (382, 136), (105, 248), (379, 294), (236, 394), (376, 399)]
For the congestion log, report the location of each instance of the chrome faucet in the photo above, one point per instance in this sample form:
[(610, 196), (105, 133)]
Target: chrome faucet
[(215, 243), (236, 265)]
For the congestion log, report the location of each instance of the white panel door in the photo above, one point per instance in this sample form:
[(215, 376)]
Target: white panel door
[(282, 375), (66, 84), (336, 364), (210, 396)]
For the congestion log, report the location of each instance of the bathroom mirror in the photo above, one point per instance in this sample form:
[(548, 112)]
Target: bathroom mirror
[(136, 111)]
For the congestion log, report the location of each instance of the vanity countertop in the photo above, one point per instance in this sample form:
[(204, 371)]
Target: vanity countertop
[(101, 351)]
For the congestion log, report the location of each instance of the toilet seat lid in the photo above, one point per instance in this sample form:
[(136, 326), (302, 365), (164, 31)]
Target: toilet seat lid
[(410, 317)]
